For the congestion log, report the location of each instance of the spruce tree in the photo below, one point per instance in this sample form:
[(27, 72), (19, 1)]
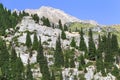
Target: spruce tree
[(41, 59), (73, 42), (35, 42), (28, 40), (48, 23), (109, 55), (58, 55), (104, 41), (82, 61), (99, 64), (65, 27), (60, 25), (63, 35), (29, 75), (66, 61), (40, 55), (82, 45), (91, 47)]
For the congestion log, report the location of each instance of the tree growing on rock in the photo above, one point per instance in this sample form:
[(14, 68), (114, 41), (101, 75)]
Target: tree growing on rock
[(58, 55), (63, 35), (28, 40), (35, 42), (91, 47), (73, 42), (82, 44), (41, 59)]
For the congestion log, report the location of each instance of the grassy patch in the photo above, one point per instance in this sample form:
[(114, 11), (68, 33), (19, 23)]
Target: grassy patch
[(78, 26)]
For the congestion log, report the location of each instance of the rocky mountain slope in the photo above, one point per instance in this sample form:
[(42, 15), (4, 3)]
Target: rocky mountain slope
[(55, 14), (49, 35)]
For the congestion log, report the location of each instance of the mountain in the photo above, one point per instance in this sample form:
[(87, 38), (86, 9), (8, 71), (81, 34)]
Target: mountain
[(55, 14), (83, 64)]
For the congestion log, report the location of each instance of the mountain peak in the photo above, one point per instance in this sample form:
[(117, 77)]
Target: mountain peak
[(54, 15)]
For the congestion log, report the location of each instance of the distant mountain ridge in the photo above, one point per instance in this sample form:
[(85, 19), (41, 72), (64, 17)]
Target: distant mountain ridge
[(55, 14)]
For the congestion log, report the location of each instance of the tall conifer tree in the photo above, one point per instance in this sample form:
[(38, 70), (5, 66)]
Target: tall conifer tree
[(63, 35), (58, 55), (35, 42), (28, 40), (82, 45), (60, 25), (41, 59), (73, 42), (91, 46)]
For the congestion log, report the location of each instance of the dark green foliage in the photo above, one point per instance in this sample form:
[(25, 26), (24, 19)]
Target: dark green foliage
[(4, 60), (108, 50), (28, 40), (58, 55), (82, 45), (13, 65), (100, 48), (116, 72), (66, 60), (40, 55), (72, 62), (41, 59), (65, 28), (46, 21), (114, 43), (36, 18), (104, 41), (8, 19), (91, 47), (29, 75), (99, 61), (81, 62), (72, 59), (24, 14), (99, 65), (63, 35), (60, 25), (35, 42), (9, 64), (19, 68), (73, 43)]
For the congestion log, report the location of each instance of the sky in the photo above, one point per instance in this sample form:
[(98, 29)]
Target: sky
[(105, 12)]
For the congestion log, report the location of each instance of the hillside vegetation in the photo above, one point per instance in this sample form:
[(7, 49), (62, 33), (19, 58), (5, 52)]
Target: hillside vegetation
[(34, 48)]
